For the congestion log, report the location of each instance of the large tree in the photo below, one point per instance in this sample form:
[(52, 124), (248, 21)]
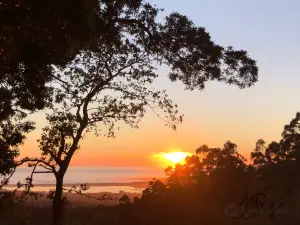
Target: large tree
[(36, 35), (110, 81)]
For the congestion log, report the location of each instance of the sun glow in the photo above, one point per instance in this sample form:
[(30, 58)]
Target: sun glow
[(172, 158), (175, 157)]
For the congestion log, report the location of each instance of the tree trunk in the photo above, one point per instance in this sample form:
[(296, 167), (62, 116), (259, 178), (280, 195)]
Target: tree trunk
[(57, 204)]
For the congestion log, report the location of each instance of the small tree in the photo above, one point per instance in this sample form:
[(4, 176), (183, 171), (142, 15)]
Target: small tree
[(112, 83), (124, 200)]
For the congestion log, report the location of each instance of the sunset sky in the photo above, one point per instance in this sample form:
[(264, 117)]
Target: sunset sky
[(270, 31)]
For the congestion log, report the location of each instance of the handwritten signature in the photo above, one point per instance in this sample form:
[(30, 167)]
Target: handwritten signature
[(250, 206)]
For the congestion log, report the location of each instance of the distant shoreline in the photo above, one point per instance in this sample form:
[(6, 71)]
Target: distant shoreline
[(135, 184), (131, 184)]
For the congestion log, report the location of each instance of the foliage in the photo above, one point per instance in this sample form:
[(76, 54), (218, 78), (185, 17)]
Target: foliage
[(207, 199), (35, 35), (286, 149), (11, 137), (93, 67), (124, 199), (187, 174), (216, 158)]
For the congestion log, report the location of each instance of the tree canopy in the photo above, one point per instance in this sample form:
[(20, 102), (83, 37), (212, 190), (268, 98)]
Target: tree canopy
[(287, 149), (37, 35)]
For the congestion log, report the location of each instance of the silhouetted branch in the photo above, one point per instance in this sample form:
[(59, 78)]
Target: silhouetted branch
[(6, 180), (104, 197)]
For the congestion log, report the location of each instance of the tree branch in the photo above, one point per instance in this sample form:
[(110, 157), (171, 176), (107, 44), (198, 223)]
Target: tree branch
[(46, 167), (60, 80), (104, 197), (28, 160), (5, 181), (134, 21)]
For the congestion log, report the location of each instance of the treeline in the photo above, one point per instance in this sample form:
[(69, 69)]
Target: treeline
[(213, 186), (219, 186)]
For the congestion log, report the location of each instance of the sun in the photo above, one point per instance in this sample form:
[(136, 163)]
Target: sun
[(175, 157), (171, 158)]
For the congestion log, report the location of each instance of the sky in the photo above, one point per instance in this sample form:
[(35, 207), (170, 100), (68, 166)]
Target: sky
[(269, 30)]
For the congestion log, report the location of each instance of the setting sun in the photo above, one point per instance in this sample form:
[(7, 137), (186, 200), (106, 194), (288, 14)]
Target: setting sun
[(175, 157), (172, 158)]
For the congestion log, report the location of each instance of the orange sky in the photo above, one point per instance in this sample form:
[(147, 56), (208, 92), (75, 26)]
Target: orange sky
[(135, 147)]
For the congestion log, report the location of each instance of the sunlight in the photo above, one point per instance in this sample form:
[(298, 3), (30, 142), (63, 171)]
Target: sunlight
[(175, 157), (172, 158)]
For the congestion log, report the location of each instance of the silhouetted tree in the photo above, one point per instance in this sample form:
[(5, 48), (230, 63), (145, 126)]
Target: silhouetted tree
[(189, 173), (36, 35), (11, 137), (217, 158), (290, 142), (288, 148), (111, 81), (263, 155), (124, 199), (200, 189), (156, 191)]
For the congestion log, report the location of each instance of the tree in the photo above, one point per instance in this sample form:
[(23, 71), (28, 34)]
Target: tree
[(217, 158), (288, 148), (156, 192), (11, 137), (124, 200), (263, 155), (36, 35), (190, 173), (290, 142), (111, 82), (33, 36)]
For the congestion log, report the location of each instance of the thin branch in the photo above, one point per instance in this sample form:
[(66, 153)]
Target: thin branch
[(5, 181), (46, 168), (139, 59), (28, 160), (31, 178), (61, 147), (102, 198), (99, 119), (132, 94), (43, 172), (168, 122), (62, 81), (132, 22)]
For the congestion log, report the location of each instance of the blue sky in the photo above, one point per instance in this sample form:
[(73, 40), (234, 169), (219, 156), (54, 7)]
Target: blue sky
[(269, 31)]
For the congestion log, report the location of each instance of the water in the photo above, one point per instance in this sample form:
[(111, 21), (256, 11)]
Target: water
[(114, 178)]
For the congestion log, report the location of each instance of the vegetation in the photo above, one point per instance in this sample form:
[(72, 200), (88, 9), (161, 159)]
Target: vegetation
[(215, 186), (92, 67)]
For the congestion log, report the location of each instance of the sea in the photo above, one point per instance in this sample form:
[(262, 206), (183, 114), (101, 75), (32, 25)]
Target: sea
[(100, 179)]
